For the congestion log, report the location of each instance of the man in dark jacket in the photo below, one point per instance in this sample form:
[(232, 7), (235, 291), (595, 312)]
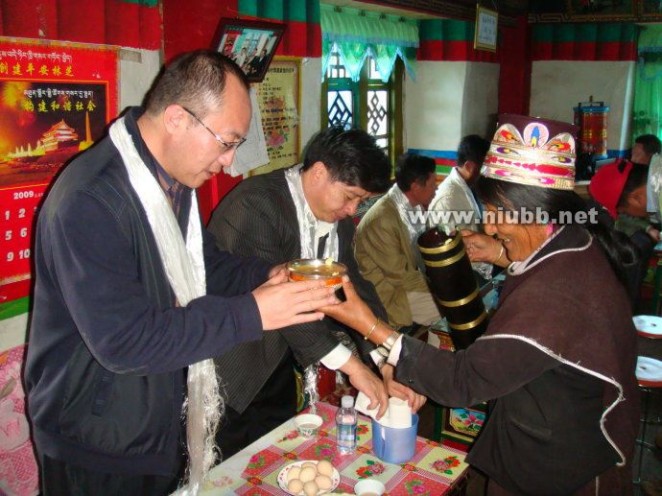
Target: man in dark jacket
[(130, 290), (302, 212)]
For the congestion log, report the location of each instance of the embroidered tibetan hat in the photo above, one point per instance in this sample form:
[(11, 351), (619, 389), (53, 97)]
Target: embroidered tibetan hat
[(532, 151)]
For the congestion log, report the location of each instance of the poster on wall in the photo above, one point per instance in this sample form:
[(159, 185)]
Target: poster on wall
[(280, 105), (55, 101)]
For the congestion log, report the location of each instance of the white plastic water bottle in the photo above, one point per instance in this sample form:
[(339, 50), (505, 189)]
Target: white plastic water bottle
[(346, 419)]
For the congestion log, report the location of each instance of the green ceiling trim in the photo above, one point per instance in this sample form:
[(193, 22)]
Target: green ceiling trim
[(145, 3), (286, 10), (446, 30)]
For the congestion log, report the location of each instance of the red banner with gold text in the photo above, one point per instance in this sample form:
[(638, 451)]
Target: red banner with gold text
[(55, 101)]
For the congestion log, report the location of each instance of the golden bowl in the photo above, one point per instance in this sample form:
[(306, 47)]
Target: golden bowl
[(307, 269)]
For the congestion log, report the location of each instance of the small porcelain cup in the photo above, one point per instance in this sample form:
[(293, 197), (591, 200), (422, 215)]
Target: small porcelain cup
[(369, 487), (308, 424)]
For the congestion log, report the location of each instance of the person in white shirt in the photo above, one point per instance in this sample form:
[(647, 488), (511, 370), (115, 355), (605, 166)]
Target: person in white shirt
[(454, 206)]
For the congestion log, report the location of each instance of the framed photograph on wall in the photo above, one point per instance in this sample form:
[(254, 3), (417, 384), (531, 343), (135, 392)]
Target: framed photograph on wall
[(487, 28), (251, 44), (650, 10)]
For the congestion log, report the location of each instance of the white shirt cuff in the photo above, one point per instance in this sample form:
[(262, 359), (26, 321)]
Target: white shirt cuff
[(336, 358), (394, 355), (377, 358)]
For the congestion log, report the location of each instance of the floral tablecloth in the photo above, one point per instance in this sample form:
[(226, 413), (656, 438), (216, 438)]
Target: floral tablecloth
[(433, 470)]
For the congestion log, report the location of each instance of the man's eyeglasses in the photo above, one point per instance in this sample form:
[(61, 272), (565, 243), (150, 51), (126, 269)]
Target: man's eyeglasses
[(225, 146)]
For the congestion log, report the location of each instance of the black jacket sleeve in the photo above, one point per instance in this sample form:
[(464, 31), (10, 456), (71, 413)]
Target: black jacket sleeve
[(487, 369), (258, 219)]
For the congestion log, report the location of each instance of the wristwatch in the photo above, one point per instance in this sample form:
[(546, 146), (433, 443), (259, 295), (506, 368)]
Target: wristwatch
[(390, 341), (384, 353)]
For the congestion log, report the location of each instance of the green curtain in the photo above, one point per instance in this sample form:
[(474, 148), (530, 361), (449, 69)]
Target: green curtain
[(648, 83), (358, 34)]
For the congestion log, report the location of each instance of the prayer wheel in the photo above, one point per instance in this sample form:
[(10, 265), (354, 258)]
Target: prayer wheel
[(453, 285), (591, 117)]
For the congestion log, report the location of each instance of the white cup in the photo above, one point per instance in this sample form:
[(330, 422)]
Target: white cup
[(308, 424), (399, 413), (369, 487)]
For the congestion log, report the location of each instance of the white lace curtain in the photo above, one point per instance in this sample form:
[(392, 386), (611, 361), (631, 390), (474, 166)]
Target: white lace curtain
[(358, 34)]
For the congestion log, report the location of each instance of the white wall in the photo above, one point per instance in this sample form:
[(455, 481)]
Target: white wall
[(138, 68), (611, 82), (311, 91), (449, 100), (481, 100)]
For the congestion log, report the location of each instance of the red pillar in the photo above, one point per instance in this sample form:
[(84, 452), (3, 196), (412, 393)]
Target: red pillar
[(515, 73)]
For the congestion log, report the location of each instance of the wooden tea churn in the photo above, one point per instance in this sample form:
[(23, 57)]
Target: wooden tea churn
[(453, 285)]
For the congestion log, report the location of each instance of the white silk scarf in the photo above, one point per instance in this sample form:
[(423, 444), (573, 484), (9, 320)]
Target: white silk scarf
[(184, 265)]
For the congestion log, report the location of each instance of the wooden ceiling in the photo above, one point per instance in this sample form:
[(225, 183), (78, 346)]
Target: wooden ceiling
[(510, 10), (422, 9)]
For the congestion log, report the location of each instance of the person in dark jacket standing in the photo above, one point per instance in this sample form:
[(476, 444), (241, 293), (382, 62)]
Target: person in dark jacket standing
[(130, 290), (557, 362)]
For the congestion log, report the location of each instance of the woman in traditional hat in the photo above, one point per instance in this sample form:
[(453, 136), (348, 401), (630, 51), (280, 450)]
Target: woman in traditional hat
[(557, 362)]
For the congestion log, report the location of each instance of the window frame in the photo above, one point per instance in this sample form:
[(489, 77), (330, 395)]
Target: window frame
[(360, 91)]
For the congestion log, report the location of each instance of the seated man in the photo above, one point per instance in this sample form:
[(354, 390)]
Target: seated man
[(386, 244), (454, 206), (301, 212), (620, 188), (645, 146)]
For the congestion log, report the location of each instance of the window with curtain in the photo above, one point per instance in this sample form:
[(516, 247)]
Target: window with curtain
[(368, 103), (364, 56), (647, 109)]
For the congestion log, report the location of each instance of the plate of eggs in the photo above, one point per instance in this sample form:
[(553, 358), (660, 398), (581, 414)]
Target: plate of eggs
[(309, 478)]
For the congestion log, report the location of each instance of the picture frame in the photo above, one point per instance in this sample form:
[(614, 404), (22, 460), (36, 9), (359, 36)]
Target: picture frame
[(251, 44), (650, 11), (280, 101), (601, 10), (486, 30)]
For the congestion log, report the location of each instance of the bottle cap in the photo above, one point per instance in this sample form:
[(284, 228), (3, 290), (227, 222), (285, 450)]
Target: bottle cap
[(347, 401)]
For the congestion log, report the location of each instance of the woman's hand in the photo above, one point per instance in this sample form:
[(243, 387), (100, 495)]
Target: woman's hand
[(354, 312), (394, 388), (484, 248)]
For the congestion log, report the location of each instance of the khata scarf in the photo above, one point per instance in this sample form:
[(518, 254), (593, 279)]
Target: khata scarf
[(309, 225), (310, 229), (185, 268)]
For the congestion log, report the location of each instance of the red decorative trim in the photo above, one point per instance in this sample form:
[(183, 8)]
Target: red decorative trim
[(91, 31), (151, 32), (122, 23), (301, 39), (30, 18), (601, 51), (453, 51)]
